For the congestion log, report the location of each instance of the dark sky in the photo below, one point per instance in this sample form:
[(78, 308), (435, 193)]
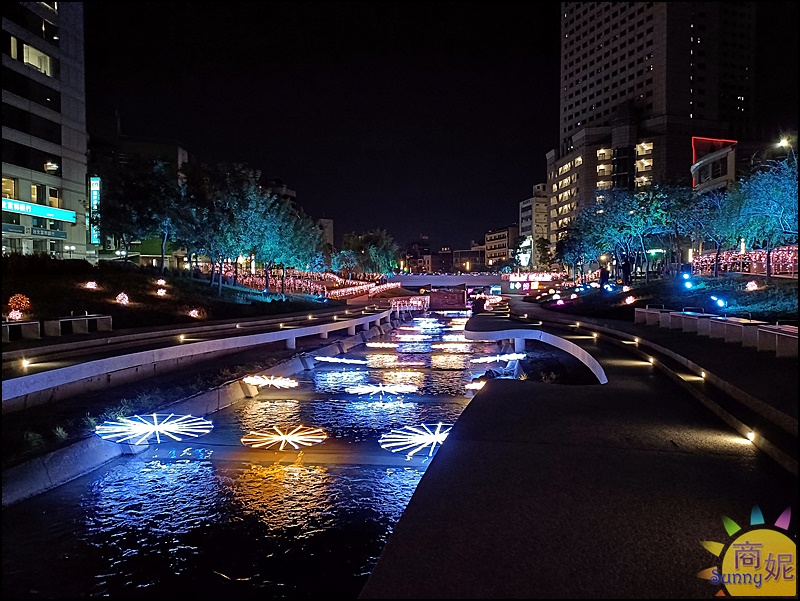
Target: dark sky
[(420, 118)]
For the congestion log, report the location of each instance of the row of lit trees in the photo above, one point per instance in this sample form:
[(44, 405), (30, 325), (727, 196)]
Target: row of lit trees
[(761, 209), (222, 212)]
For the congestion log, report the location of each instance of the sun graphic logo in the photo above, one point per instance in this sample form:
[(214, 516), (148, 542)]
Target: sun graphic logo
[(761, 562)]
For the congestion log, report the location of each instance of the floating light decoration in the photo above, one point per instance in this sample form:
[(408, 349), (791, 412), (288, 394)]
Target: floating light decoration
[(559, 302), (161, 292), (161, 282), (90, 285), (626, 288), (297, 437), (15, 315), (494, 358), (140, 429), (276, 381), (751, 286), (122, 298), (342, 360), (20, 302), (194, 313), (415, 438), (475, 385), (382, 344), (629, 300), (381, 389)]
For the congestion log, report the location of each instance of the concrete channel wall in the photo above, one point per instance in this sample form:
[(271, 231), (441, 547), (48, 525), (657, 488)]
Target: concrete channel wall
[(52, 385), (59, 467)]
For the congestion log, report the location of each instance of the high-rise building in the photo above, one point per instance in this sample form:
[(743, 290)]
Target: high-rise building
[(533, 224), (44, 130), (639, 81)]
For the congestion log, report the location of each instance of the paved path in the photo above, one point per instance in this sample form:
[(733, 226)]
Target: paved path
[(557, 491)]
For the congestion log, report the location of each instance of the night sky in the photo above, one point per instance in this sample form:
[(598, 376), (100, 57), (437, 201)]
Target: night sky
[(421, 118)]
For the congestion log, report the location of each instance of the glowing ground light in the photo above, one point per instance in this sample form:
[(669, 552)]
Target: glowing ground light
[(161, 282), (296, 437), (494, 358), (751, 286), (381, 389), (194, 313), (415, 438), (161, 292), (122, 298), (341, 360), (412, 337), (15, 315), (559, 302), (90, 285), (475, 385), (382, 344), (140, 429), (759, 562), (629, 300), (276, 381)]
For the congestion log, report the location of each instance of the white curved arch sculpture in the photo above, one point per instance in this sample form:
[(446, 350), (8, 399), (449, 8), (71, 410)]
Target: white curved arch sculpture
[(556, 341)]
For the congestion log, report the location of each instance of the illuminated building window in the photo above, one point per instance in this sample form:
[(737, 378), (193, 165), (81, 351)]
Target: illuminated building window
[(644, 148), (604, 154), (45, 195), (644, 165), (37, 59), (603, 185), (10, 188)]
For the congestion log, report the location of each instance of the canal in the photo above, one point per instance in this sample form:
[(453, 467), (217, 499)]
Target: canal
[(212, 517)]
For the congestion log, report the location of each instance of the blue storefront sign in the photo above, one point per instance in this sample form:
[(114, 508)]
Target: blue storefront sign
[(38, 231), (94, 200), (34, 210)]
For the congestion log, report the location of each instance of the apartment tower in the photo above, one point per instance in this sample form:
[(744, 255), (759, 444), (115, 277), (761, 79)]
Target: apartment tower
[(642, 85)]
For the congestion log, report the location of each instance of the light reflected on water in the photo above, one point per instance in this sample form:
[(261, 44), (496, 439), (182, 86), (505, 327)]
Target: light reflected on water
[(204, 523)]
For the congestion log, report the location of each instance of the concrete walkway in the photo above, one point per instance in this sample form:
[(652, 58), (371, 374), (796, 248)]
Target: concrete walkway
[(558, 491)]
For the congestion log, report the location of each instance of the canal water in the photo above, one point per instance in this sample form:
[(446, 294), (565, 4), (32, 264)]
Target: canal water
[(214, 518)]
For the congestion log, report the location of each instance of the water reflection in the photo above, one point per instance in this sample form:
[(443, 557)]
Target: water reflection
[(185, 523)]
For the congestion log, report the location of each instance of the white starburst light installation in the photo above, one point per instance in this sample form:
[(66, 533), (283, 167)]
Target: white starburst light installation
[(494, 358), (381, 389), (144, 429), (415, 438), (382, 344), (475, 385), (299, 436), (342, 360), (277, 382)]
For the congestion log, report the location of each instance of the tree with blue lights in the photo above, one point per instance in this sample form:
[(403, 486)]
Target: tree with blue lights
[(768, 216), (714, 216)]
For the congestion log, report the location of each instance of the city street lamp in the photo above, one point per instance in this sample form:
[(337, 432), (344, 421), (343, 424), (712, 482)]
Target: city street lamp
[(70, 248), (784, 143)]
